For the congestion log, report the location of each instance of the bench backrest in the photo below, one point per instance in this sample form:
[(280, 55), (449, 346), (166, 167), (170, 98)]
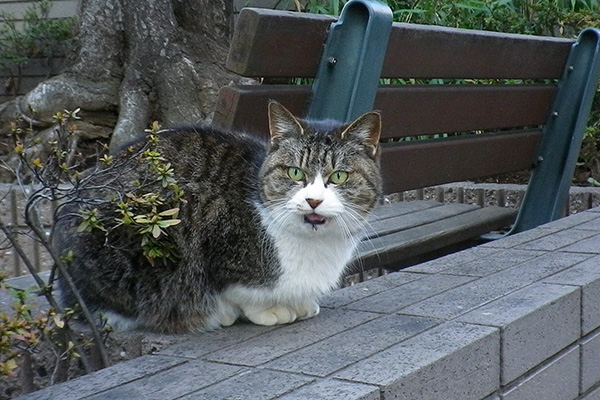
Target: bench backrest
[(480, 125)]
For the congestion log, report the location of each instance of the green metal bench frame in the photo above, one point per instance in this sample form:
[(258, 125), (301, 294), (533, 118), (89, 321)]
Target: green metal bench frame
[(346, 88), (349, 56)]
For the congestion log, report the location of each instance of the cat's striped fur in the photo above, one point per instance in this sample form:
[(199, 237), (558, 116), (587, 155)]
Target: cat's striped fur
[(267, 227)]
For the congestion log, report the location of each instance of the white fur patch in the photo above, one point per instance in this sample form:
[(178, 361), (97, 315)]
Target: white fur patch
[(116, 321), (312, 257)]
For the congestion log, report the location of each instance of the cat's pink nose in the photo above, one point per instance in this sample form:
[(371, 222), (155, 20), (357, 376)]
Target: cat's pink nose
[(314, 203)]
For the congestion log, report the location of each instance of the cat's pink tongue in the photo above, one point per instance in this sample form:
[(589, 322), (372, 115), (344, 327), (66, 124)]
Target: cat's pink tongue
[(314, 219)]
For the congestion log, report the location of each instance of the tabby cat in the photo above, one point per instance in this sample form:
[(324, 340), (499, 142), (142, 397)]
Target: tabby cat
[(267, 226)]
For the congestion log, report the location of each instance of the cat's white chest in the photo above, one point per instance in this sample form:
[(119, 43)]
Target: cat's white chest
[(310, 266)]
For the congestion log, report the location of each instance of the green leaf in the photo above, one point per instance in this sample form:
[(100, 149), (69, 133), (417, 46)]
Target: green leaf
[(84, 226), (142, 219), (59, 322), (169, 213), (168, 222)]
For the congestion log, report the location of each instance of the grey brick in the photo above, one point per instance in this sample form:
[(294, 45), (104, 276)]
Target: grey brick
[(593, 225), (557, 240), (587, 276), (536, 322), (572, 220), (593, 395), (412, 292), (589, 245), (341, 297), (341, 350), (38, 303), (27, 281), (255, 384), (452, 260), (590, 367), (106, 378), (286, 339), (208, 342), (334, 389), (474, 294), (520, 238), (559, 380), (173, 383), (453, 361), (495, 262)]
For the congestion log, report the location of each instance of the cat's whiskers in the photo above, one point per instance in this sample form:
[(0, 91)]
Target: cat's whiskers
[(361, 216), (367, 238), (276, 216), (346, 230), (357, 215), (363, 221)]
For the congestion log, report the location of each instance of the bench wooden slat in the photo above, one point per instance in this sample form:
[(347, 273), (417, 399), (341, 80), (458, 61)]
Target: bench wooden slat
[(403, 221), (269, 46), (407, 110), (284, 36), (244, 107), (402, 245), (443, 160), (462, 157), (423, 110), (441, 52), (392, 210)]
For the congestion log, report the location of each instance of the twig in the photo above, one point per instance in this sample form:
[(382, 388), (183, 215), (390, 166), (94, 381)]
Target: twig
[(69, 281), (45, 290), (27, 373), (30, 120)]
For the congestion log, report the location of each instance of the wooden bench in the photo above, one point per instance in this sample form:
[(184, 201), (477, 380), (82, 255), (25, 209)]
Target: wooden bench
[(488, 103)]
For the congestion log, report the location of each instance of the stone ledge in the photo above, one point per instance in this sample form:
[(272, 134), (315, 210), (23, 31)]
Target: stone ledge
[(515, 319)]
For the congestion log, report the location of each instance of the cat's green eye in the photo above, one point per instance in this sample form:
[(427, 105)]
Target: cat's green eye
[(296, 174), (338, 177)]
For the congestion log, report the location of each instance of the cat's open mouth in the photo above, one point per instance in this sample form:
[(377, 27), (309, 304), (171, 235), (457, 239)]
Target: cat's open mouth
[(314, 219)]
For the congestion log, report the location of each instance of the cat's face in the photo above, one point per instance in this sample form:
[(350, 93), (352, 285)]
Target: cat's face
[(320, 177)]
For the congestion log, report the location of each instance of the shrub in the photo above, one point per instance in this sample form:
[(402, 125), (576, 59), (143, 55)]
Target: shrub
[(58, 177)]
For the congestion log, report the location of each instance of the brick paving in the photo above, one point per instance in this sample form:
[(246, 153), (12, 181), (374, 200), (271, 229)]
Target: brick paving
[(513, 319)]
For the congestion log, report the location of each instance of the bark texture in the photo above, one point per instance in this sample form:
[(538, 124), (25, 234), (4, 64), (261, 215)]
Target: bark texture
[(136, 61)]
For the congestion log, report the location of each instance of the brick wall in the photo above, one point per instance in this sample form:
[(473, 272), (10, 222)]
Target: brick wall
[(37, 69)]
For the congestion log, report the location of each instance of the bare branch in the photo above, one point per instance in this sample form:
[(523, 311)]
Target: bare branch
[(44, 289)]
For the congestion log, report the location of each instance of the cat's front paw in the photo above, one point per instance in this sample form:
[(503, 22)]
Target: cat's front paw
[(272, 316), (308, 310)]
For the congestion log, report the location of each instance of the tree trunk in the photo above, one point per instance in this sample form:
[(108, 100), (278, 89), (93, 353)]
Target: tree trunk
[(136, 61)]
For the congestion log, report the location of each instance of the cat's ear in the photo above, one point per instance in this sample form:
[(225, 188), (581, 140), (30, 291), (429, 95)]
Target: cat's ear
[(367, 130), (282, 122)]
